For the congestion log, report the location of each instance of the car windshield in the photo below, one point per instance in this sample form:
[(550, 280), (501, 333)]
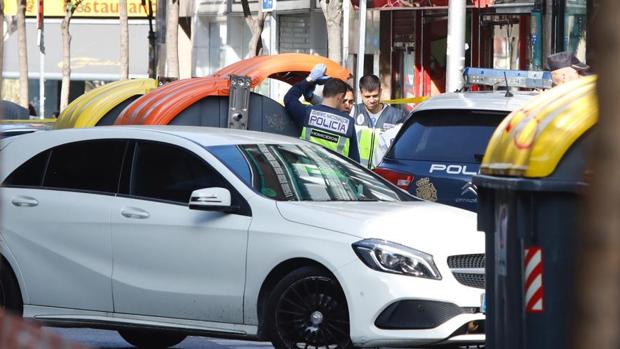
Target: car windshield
[(304, 173), (446, 135)]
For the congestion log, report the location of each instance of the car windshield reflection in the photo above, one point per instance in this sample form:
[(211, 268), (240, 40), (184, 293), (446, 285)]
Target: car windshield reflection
[(303, 173)]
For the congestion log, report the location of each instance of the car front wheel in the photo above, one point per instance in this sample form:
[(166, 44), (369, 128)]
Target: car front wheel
[(151, 339), (308, 309)]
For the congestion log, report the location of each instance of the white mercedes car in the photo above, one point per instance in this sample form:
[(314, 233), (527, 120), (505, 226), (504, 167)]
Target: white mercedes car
[(163, 232)]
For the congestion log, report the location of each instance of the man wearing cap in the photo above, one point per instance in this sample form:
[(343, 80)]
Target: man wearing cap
[(564, 67)]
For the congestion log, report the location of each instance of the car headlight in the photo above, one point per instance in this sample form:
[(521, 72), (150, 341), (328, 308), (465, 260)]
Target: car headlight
[(394, 258)]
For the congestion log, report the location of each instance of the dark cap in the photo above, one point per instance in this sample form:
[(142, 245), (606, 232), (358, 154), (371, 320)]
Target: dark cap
[(566, 59)]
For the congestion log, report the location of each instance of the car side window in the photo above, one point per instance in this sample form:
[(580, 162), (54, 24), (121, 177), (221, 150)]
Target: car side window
[(88, 165), (30, 173), (167, 172)]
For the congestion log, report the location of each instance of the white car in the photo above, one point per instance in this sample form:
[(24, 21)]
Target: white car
[(161, 232)]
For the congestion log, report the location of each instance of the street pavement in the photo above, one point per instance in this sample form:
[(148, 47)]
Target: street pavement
[(104, 339)]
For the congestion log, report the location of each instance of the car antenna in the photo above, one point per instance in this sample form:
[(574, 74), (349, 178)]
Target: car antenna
[(508, 93)]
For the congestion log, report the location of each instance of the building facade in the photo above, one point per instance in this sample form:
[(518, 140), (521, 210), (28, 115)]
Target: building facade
[(405, 40)]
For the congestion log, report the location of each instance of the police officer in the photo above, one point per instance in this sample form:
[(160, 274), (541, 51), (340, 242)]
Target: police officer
[(324, 124), (347, 102), (564, 67), (372, 118)]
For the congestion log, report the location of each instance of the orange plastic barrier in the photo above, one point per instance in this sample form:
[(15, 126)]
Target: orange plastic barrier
[(162, 105)]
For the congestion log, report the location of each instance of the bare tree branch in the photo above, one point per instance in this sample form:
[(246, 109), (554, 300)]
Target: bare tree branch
[(70, 8), (256, 25), (332, 10)]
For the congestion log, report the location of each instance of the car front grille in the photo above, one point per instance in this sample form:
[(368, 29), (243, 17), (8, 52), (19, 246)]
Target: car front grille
[(468, 269)]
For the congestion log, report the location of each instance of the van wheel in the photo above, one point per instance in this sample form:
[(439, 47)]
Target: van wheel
[(307, 308), (10, 295), (151, 339)]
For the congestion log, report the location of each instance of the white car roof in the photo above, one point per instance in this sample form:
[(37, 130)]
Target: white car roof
[(211, 136), (205, 136), (483, 100)]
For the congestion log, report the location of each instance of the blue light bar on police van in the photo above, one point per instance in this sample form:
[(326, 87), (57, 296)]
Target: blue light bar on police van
[(510, 78)]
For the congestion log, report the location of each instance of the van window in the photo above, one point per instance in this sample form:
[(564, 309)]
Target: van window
[(89, 165), (446, 135)]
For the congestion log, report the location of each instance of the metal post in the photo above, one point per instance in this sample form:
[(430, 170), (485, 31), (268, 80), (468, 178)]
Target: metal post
[(148, 8), (346, 19), (160, 38), (238, 102), (455, 53), (547, 38), (42, 85), (273, 33), (273, 50), (361, 49), (41, 44)]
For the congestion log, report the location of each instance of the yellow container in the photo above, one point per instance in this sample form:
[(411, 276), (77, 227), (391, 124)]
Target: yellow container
[(532, 140), (88, 109)]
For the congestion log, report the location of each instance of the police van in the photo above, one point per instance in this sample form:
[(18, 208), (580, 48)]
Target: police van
[(440, 146)]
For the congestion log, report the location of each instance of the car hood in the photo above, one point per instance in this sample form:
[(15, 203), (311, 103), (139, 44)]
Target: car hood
[(426, 226)]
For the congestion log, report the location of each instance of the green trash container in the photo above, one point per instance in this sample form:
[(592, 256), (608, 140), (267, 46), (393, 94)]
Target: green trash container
[(529, 195)]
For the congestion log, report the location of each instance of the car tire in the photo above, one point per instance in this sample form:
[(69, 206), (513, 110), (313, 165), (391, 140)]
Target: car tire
[(308, 308), (151, 339), (10, 295)]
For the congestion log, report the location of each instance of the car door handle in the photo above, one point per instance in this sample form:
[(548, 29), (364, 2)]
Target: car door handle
[(135, 213), (24, 201)]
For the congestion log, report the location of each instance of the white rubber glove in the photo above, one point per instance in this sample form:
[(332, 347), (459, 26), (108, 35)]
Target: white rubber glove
[(318, 71)]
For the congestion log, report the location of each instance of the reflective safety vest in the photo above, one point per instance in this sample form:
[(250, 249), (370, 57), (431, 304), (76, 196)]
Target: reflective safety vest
[(328, 130), (337, 143), (366, 140), (369, 132)]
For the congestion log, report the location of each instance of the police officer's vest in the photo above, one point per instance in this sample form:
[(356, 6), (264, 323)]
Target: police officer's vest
[(328, 130), (366, 138), (367, 135)]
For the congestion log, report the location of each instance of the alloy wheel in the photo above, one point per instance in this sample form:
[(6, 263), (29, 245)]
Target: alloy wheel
[(312, 313)]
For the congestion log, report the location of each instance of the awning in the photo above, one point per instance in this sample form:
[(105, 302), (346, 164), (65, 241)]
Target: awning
[(417, 4), (222, 7), (95, 50)]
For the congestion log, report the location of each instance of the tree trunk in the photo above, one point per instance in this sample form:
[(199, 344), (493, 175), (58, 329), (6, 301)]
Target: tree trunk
[(596, 318), (122, 6), (23, 53), (66, 60), (66, 53), (1, 45), (172, 39), (256, 25), (332, 10)]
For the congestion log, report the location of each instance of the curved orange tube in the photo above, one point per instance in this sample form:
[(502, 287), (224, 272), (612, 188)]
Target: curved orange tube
[(162, 105)]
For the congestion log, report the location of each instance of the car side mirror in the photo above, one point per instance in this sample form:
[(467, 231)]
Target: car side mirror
[(211, 199)]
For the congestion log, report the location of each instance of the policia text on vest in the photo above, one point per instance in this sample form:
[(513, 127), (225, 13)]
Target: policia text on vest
[(322, 124)]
